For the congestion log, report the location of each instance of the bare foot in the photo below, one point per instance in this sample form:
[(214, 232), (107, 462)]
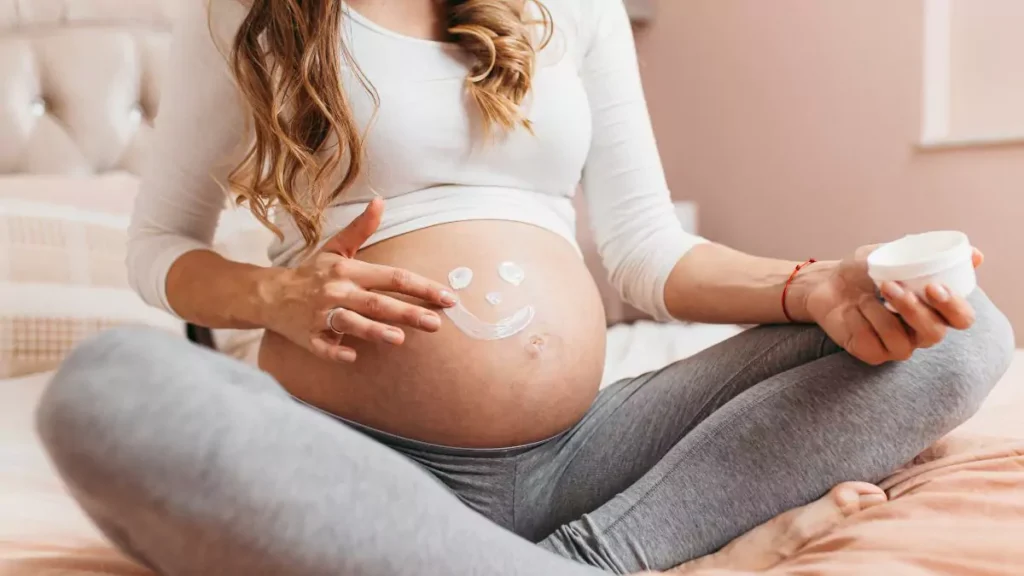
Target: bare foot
[(781, 537)]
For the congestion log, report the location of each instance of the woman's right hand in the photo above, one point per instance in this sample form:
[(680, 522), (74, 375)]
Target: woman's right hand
[(298, 301)]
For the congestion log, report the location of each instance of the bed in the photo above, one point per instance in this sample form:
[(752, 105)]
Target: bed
[(957, 510)]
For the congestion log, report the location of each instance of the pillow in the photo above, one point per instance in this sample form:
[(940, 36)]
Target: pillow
[(62, 274)]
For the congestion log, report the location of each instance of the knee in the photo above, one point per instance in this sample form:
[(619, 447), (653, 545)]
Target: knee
[(968, 364), (94, 394)]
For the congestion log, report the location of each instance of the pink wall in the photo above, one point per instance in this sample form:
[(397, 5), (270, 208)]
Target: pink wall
[(793, 124), (988, 84)]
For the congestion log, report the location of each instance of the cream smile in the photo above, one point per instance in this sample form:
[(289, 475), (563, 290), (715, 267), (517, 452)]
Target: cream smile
[(471, 325)]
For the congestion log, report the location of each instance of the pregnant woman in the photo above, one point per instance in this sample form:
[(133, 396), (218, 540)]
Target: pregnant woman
[(428, 401)]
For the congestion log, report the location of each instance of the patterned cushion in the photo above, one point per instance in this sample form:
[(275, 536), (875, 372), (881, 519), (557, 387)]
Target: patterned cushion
[(62, 275)]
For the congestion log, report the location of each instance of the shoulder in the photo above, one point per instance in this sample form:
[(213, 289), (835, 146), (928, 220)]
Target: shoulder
[(204, 36), (581, 9), (586, 14), (581, 20)]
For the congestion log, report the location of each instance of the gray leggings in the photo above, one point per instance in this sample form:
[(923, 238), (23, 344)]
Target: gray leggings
[(199, 465)]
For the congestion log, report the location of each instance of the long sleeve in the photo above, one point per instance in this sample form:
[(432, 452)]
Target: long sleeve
[(631, 213), (198, 140)]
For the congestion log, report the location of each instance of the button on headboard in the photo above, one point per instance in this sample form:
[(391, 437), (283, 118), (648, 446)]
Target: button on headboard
[(79, 83)]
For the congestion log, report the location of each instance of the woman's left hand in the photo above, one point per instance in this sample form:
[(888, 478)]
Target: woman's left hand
[(847, 307)]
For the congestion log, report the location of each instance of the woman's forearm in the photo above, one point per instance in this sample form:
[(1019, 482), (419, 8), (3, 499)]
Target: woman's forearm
[(716, 284), (207, 289)]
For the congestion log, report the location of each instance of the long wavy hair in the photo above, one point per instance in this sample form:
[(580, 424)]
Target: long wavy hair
[(287, 59)]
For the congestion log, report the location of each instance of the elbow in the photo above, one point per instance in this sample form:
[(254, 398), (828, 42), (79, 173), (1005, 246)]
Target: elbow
[(640, 282), (139, 261), (641, 276), (148, 258)]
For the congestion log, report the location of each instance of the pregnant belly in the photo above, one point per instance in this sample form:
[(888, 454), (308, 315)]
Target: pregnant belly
[(520, 360)]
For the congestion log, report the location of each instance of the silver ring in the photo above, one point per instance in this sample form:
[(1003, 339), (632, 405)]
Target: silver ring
[(330, 320)]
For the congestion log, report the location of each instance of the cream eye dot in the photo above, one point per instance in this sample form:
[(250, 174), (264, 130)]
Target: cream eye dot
[(512, 273), (460, 278)]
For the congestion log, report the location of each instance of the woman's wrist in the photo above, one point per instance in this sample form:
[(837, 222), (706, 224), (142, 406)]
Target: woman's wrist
[(263, 294), (207, 289), (803, 284), (716, 284)]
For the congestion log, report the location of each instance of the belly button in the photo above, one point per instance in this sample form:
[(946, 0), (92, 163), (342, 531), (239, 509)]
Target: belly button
[(536, 344)]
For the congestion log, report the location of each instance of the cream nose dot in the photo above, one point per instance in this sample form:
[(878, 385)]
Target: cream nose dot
[(494, 298)]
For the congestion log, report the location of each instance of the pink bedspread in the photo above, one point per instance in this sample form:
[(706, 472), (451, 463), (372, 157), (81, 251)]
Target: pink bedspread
[(957, 510)]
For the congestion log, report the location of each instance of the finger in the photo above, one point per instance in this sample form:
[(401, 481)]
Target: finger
[(928, 327), (399, 281), (888, 328), (330, 348), (358, 326), (862, 342), (978, 258), (387, 309), (352, 237), (863, 252), (956, 311)]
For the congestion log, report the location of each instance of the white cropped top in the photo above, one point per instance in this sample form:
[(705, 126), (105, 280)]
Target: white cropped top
[(424, 151)]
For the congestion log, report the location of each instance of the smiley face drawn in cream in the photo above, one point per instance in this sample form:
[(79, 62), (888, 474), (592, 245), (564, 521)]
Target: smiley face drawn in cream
[(460, 278)]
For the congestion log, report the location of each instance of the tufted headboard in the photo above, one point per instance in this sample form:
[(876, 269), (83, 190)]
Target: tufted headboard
[(79, 83)]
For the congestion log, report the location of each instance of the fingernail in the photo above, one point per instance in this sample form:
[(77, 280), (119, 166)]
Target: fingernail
[(873, 499), (939, 293), (393, 336), (347, 356), (430, 322), (447, 298), (893, 290)]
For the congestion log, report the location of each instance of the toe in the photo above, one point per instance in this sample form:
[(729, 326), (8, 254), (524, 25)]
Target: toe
[(818, 517), (853, 497)]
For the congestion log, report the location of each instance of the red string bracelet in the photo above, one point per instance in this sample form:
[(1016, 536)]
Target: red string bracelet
[(785, 289)]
